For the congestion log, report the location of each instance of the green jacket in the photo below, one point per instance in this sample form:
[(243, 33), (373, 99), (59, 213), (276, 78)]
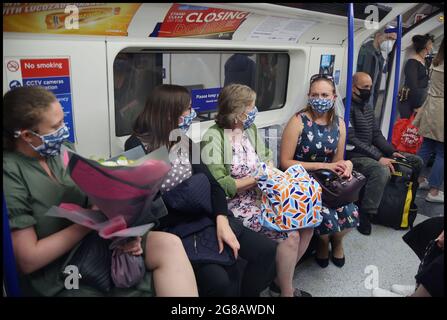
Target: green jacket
[(217, 154), (29, 193)]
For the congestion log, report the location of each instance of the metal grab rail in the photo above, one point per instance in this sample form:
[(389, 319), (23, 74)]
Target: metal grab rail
[(350, 65), (398, 29)]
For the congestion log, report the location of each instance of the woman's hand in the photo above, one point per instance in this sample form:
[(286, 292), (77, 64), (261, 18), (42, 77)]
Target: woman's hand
[(226, 235), (339, 167), (348, 171), (133, 247)]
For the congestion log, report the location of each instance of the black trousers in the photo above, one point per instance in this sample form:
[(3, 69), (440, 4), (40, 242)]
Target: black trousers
[(258, 255)]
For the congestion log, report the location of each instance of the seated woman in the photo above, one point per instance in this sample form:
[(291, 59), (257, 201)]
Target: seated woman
[(235, 146), (34, 180), (167, 110), (315, 138)]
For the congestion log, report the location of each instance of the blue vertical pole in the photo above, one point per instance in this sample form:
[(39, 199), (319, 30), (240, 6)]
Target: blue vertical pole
[(396, 75), (9, 265), (350, 64)]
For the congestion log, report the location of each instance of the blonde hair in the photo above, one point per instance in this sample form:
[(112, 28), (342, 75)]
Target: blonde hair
[(232, 102)]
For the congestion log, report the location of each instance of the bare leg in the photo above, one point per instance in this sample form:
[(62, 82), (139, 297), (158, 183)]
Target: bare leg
[(167, 259), (305, 237), (323, 247), (286, 255), (421, 292), (337, 243)]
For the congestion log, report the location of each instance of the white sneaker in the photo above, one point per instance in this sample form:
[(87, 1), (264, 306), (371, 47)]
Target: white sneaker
[(378, 292), (424, 185), (439, 198), (403, 290)]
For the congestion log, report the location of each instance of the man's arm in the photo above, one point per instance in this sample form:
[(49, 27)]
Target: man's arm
[(380, 142)]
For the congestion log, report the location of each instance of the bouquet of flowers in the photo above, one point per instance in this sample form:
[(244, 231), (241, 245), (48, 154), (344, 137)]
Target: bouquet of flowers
[(122, 188)]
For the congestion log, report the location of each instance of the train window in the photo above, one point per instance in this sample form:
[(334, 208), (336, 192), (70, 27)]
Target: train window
[(133, 76), (202, 73), (417, 14)]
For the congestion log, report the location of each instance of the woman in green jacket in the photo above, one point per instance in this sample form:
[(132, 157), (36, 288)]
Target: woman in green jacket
[(232, 148), (34, 180)]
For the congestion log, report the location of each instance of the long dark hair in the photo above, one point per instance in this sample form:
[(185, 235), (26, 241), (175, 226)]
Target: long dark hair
[(164, 106), (439, 59), (22, 109)]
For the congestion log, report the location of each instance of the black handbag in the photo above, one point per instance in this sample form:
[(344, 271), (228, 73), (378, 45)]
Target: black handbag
[(338, 191), (93, 258)]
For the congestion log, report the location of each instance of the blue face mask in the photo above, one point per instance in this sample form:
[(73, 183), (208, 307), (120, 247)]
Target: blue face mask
[(52, 142), (187, 120), (321, 105), (250, 118)]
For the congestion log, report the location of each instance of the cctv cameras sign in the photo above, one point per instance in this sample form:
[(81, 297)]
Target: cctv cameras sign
[(52, 74)]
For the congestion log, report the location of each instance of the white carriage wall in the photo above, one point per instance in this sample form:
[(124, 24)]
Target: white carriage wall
[(92, 57), (88, 83)]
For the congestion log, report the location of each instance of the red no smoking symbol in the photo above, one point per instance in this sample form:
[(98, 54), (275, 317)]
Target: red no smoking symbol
[(12, 66)]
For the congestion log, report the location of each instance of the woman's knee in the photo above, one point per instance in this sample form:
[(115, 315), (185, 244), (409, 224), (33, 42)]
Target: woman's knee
[(163, 240), (162, 244), (293, 240)]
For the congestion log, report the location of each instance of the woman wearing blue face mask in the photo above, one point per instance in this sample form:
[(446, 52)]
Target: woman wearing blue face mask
[(315, 138), (34, 180), (167, 110), (232, 149)]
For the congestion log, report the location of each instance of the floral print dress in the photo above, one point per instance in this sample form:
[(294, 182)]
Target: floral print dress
[(318, 143), (246, 204)]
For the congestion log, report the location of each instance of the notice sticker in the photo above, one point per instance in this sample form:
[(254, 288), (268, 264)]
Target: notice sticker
[(52, 74)]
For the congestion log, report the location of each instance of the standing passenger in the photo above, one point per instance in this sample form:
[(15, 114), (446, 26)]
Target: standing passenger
[(430, 121), (416, 76), (371, 60)]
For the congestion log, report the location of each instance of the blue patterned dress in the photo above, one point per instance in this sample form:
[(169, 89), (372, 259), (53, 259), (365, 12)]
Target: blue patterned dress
[(318, 143)]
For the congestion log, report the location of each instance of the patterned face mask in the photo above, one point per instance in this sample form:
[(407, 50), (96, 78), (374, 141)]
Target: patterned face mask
[(321, 105), (250, 118), (187, 120), (51, 142)]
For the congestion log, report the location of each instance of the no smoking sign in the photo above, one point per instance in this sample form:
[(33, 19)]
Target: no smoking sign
[(12, 65)]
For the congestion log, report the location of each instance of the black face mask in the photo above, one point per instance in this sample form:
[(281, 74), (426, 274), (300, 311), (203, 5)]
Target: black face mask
[(364, 95)]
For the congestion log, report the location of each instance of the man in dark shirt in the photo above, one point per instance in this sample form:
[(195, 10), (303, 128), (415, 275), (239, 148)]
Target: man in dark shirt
[(371, 60), (369, 151)]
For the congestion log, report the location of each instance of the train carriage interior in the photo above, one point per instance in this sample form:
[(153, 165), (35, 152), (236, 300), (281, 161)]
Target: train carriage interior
[(274, 48)]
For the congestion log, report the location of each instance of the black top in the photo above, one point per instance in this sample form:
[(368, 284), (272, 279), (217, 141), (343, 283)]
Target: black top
[(365, 135), (416, 79), (218, 197)]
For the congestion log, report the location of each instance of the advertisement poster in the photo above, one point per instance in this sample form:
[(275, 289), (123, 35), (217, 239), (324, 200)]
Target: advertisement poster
[(111, 19), (201, 22), (327, 62), (51, 73)]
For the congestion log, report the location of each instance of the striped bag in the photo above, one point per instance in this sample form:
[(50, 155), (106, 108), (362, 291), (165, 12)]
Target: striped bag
[(291, 200)]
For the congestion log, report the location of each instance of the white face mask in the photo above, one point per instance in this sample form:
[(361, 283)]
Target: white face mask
[(386, 46)]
